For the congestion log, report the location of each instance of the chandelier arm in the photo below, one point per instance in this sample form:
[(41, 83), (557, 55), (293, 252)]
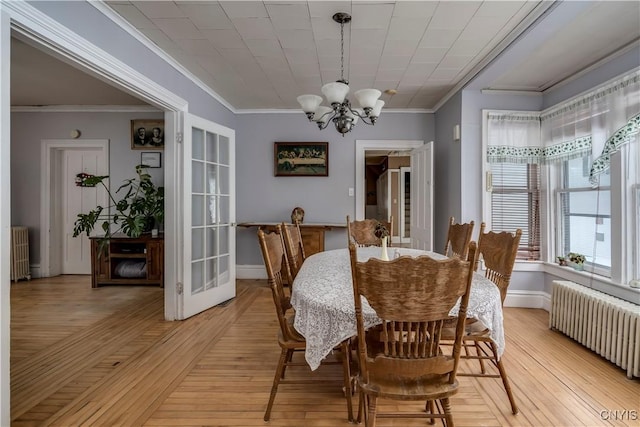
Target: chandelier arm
[(328, 112), (357, 113), (371, 121), (324, 125)]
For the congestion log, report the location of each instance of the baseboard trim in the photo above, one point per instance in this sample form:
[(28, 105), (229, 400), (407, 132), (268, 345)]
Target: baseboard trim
[(248, 271), (34, 269), (528, 299)]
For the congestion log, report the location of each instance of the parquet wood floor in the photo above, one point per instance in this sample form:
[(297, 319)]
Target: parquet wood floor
[(105, 357)]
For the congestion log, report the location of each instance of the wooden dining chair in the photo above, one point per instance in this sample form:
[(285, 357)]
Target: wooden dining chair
[(401, 359), (293, 245), (290, 341), (458, 238), (497, 252), (362, 232)]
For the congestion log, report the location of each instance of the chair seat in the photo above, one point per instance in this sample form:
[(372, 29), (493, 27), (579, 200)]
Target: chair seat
[(296, 341), (424, 389)]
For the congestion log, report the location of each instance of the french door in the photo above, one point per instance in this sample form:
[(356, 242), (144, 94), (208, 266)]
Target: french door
[(209, 276)]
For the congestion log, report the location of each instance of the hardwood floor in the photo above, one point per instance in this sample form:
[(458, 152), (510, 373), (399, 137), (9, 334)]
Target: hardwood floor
[(105, 356)]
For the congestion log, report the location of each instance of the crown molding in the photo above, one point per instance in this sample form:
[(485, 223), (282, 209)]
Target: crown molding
[(135, 33), (635, 44), (85, 109), (510, 92)]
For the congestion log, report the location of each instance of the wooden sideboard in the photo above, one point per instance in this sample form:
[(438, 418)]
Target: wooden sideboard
[(312, 233), (108, 265)]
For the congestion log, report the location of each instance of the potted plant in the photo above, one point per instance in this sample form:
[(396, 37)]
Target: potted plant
[(576, 260), (140, 209)]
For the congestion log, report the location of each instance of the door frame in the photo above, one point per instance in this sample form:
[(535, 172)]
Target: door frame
[(22, 20), (49, 170), (362, 145)]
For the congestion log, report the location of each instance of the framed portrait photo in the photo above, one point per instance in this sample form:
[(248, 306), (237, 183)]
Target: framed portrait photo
[(147, 134), (153, 159), (301, 159)]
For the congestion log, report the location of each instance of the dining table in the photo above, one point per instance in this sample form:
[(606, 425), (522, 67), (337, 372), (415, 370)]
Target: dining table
[(323, 299)]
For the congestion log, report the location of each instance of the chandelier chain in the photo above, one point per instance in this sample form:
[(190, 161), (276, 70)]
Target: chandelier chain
[(342, 51)]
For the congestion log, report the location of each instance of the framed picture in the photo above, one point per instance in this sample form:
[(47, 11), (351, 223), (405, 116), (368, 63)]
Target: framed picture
[(301, 159), (147, 134), (153, 159)]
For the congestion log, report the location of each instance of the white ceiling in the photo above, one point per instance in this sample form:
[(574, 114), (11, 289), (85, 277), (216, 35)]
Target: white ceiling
[(263, 54)]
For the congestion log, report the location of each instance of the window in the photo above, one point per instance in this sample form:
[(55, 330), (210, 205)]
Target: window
[(515, 203), (513, 180), (569, 177), (585, 215)]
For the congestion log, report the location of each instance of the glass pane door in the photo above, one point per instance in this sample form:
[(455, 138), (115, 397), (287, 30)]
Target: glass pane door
[(210, 224)]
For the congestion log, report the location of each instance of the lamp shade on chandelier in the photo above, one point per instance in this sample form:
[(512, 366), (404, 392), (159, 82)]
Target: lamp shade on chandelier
[(341, 112)]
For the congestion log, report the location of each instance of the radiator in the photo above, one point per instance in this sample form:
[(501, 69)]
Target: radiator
[(20, 253), (605, 324)]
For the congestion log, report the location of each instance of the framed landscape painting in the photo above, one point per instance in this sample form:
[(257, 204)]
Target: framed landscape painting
[(301, 159)]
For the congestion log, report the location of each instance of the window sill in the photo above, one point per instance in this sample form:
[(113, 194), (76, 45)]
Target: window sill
[(593, 280), (522, 265)]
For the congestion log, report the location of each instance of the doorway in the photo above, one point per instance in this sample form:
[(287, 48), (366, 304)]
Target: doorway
[(379, 151), (62, 160)]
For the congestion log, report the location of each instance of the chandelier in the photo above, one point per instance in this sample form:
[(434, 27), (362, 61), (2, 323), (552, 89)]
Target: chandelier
[(341, 113)]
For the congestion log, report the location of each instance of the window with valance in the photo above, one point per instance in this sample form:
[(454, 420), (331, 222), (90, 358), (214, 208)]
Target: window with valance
[(579, 136)]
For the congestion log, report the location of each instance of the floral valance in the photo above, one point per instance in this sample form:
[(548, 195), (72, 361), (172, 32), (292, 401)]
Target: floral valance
[(514, 137), (595, 124), (579, 147), (613, 144)]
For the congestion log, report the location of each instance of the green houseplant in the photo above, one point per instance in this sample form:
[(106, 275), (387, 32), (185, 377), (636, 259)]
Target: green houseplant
[(576, 260), (140, 209)]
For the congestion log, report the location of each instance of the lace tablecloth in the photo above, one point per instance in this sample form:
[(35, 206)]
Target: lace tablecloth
[(325, 313)]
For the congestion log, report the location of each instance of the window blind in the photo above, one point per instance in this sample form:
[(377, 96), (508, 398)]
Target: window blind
[(515, 203)]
